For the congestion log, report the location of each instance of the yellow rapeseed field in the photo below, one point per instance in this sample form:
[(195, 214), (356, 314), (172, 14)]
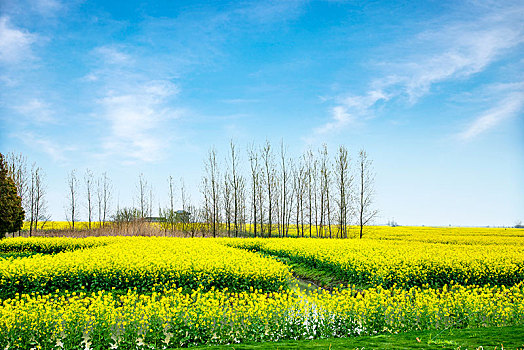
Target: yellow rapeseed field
[(141, 262), (172, 317), (154, 292), (408, 257)]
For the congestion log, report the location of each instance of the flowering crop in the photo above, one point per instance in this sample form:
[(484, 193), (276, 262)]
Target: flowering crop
[(389, 262), (173, 318), (50, 245), (60, 225), (179, 292), (141, 262)]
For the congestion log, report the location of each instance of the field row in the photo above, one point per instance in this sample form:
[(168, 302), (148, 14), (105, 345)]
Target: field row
[(121, 263), (140, 263), (173, 318), (51, 246), (374, 262)]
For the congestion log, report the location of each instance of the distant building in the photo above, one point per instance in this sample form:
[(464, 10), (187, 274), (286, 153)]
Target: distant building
[(154, 219), (180, 216)]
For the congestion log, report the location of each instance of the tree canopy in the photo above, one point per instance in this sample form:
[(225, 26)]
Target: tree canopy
[(11, 211)]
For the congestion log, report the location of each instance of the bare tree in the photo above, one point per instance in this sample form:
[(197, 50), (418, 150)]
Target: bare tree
[(237, 186), (16, 164), (255, 184), (344, 183), (313, 176), (211, 188), (88, 183), (261, 200), (366, 191), (284, 177), (103, 196), (72, 196), (37, 201), (171, 215), (142, 188), (227, 202), (165, 216), (150, 214), (325, 195), (267, 157), (299, 187), (310, 174), (186, 203), (242, 204)]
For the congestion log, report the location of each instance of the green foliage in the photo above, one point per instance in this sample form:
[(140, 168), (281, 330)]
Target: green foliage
[(478, 338), (11, 211)]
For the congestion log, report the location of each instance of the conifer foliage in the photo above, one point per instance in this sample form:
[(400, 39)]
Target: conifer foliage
[(11, 211)]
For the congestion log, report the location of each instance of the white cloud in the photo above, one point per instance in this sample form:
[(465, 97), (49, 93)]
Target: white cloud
[(350, 109), (112, 55), (466, 51), (15, 44), (340, 119), (47, 7), (138, 120), (36, 110), (43, 144), (452, 51), (505, 109), (135, 108)]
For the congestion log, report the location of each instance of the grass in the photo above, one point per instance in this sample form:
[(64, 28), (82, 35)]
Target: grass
[(478, 338), (306, 275), (457, 339)]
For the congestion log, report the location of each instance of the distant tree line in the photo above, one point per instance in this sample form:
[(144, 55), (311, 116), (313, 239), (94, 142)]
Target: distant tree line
[(261, 192), (30, 188), (314, 194)]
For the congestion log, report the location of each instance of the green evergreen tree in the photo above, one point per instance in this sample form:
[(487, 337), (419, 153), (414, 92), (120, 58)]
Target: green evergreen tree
[(11, 211)]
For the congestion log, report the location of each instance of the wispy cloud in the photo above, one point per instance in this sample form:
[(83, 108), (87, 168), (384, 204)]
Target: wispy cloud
[(136, 121), (36, 110), (340, 118), (15, 43), (46, 145), (47, 7), (134, 106), (112, 55), (504, 109), (350, 110), (454, 50), (26, 9)]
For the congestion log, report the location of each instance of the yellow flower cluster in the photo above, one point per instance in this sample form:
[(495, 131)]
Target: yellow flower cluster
[(174, 318), (417, 260), (449, 235), (46, 245), (157, 292), (141, 262), (60, 225)]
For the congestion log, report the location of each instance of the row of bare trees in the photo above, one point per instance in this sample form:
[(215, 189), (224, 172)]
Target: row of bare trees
[(97, 194), (31, 188), (313, 195), (265, 194)]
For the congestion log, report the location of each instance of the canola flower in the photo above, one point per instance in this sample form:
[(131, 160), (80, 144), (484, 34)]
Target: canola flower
[(60, 225), (386, 262), (46, 245), (119, 292), (142, 263), (173, 318)]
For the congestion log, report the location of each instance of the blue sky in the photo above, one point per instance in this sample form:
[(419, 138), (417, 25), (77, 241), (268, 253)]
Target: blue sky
[(433, 90)]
